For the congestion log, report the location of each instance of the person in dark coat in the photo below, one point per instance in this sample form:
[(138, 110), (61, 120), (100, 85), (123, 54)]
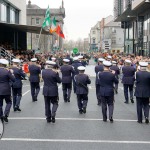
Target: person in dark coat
[(115, 68), (107, 80), (99, 68), (34, 79), (17, 85), (5, 89), (75, 65), (142, 92), (128, 80), (50, 90), (67, 72), (81, 89)]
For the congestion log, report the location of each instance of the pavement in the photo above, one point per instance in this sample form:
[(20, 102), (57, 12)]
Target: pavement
[(28, 129)]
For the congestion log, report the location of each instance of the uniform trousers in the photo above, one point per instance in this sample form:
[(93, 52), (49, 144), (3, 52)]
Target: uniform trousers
[(98, 94), (67, 87), (17, 94), (8, 105), (126, 87), (51, 112), (74, 86), (107, 100), (35, 89), (142, 104), (82, 100)]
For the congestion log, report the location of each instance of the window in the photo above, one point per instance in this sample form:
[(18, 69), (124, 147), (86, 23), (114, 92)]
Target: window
[(93, 32), (37, 21), (12, 15), (3, 12), (93, 41), (37, 36)]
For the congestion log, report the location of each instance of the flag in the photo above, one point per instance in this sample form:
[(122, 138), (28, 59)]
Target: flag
[(53, 26), (59, 32), (47, 20)]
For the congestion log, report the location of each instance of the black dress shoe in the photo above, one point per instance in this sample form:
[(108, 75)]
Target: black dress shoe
[(53, 119), (146, 121), (48, 120), (139, 121), (84, 110), (15, 109), (80, 111), (69, 100), (111, 120), (132, 101), (5, 118), (126, 102), (18, 109), (105, 120)]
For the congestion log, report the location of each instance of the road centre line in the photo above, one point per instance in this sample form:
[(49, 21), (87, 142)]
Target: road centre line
[(26, 93), (69, 119), (74, 141)]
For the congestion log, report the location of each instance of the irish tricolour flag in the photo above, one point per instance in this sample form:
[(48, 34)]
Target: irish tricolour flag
[(53, 26)]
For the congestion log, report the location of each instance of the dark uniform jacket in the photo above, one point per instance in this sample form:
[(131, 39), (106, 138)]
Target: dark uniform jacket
[(5, 78), (116, 69), (19, 75), (81, 83), (75, 65), (67, 72), (142, 84), (107, 80), (98, 68), (50, 78), (128, 75), (35, 71)]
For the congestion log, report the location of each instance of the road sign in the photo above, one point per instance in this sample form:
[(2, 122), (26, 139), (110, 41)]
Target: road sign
[(75, 50)]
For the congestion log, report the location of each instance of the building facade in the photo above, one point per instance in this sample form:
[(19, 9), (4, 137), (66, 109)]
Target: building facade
[(135, 20), (35, 17), (111, 35), (12, 11)]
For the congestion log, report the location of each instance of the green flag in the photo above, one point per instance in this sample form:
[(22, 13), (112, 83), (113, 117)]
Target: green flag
[(47, 20)]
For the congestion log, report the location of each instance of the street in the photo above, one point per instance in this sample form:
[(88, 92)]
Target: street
[(28, 130)]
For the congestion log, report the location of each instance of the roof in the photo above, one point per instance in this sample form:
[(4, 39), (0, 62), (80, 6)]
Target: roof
[(24, 28)]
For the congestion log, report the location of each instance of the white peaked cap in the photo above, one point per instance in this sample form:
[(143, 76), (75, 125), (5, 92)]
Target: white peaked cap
[(80, 56), (114, 62), (128, 61), (66, 60), (81, 68), (143, 64), (4, 61), (75, 58), (109, 57), (50, 62), (34, 59), (53, 58), (16, 60), (107, 63), (101, 59)]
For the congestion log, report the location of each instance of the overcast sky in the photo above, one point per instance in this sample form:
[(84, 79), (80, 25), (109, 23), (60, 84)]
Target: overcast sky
[(81, 15)]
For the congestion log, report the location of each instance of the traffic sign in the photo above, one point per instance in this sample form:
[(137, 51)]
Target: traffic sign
[(75, 50)]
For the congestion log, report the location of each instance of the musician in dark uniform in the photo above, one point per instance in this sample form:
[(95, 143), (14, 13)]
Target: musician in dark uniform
[(142, 92), (67, 71), (107, 80), (81, 89), (5, 89), (50, 90), (34, 79), (128, 80), (17, 85), (99, 68), (75, 65), (115, 68)]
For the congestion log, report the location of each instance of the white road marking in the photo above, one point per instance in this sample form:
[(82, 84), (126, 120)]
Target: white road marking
[(26, 85), (74, 141), (90, 87), (69, 119), (26, 93)]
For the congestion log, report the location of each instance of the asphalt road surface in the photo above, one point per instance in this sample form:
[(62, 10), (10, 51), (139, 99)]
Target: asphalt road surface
[(28, 130)]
